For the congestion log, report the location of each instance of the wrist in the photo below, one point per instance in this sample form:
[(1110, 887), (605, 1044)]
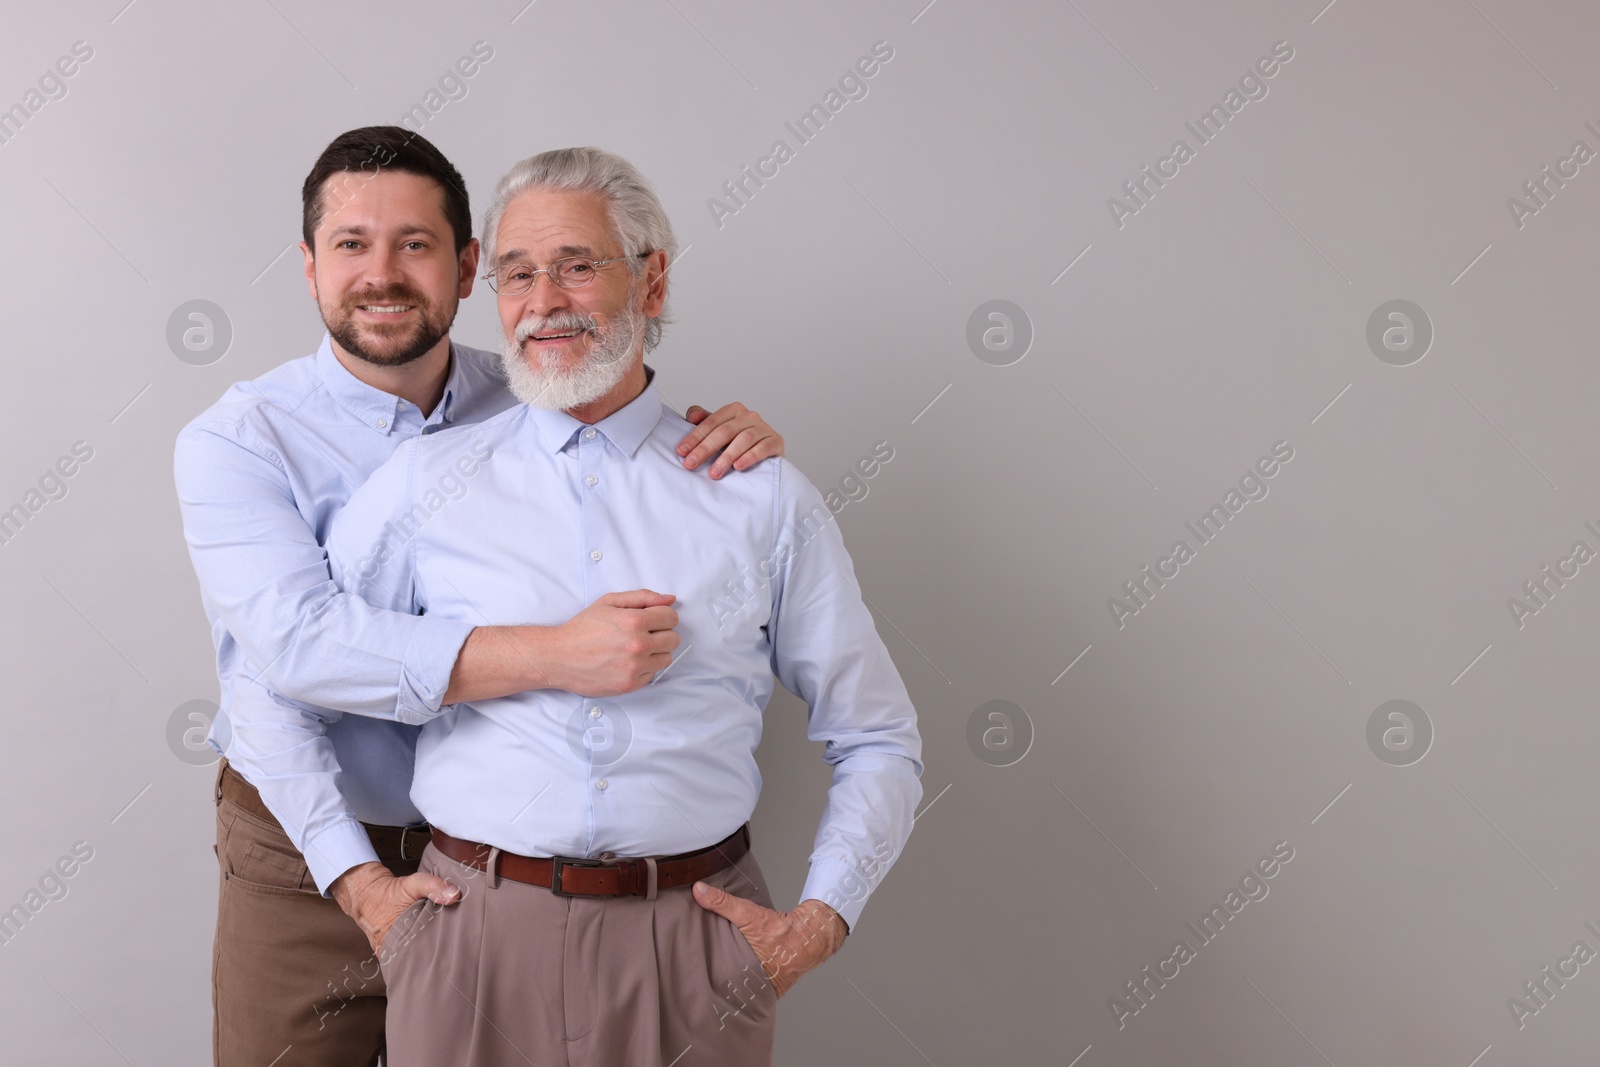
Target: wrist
[(539, 648), (349, 890), (822, 924)]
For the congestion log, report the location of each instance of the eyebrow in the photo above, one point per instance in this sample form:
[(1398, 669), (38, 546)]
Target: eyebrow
[(361, 231), (514, 254)]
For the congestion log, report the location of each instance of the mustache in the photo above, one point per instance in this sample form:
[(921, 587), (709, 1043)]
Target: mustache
[(398, 293), (560, 322)]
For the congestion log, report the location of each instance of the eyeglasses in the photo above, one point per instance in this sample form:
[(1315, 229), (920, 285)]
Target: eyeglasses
[(573, 272)]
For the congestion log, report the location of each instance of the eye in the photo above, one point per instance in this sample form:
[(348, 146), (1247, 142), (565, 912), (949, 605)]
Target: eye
[(518, 274), (416, 246), (347, 243)]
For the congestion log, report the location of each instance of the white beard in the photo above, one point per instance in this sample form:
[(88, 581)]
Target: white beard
[(559, 388)]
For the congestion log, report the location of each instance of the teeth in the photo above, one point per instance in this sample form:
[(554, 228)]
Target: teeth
[(554, 336), (384, 308)]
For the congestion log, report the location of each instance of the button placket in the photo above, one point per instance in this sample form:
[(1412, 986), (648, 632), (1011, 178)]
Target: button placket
[(591, 448), (591, 455)]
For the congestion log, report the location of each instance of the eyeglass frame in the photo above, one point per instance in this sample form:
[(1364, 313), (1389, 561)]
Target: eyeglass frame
[(547, 271)]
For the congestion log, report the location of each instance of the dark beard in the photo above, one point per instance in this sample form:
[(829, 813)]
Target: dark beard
[(432, 326)]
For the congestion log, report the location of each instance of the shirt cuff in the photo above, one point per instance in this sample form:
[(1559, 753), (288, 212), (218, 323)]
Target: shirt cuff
[(335, 850), (836, 884), (425, 667)]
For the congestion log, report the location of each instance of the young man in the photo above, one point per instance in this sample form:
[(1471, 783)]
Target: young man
[(260, 475)]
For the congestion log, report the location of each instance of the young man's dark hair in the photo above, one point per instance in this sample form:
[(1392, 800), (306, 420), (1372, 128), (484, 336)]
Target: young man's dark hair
[(366, 152)]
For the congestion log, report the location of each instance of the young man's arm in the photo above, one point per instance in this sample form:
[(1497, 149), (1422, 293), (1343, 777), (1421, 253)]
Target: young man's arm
[(264, 573)]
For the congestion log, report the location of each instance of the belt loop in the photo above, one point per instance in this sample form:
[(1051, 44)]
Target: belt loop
[(222, 768), (492, 867), (650, 877)]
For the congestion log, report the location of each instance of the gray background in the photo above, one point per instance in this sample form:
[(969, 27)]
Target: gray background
[(1224, 317)]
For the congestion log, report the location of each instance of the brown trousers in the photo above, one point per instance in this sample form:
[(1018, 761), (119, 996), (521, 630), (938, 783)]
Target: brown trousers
[(293, 981), (513, 974)]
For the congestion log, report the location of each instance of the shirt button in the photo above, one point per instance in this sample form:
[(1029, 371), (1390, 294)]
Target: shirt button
[(601, 785), (595, 555), (591, 480), (594, 713), (588, 435), (382, 423)]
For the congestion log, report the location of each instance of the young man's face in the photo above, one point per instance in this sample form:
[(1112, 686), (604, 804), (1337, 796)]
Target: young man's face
[(384, 272)]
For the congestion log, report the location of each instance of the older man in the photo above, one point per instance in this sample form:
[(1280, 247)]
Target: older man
[(573, 825)]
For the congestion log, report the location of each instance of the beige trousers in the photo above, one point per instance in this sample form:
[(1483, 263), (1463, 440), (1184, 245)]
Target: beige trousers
[(513, 975)]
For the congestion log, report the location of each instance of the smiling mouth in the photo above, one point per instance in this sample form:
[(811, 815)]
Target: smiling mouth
[(386, 309), (555, 336)]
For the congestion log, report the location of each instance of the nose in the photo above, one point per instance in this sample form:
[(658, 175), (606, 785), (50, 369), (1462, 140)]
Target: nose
[(383, 267), (546, 296)]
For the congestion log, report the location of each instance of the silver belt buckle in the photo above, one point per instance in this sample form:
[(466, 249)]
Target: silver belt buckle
[(405, 832)]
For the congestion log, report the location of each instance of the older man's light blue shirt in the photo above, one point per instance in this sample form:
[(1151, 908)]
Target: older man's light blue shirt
[(532, 515)]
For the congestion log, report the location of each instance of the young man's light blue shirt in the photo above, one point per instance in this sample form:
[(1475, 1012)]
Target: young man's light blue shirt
[(260, 476)]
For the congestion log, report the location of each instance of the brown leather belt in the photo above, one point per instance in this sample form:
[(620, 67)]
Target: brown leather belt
[(391, 843), (604, 876)]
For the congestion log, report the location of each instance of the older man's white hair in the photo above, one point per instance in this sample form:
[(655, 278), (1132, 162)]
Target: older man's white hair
[(637, 217)]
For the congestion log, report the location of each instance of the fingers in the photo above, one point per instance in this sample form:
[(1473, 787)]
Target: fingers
[(637, 598), (737, 449), (763, 448), (662, 642), (739, 911), (694, 415), (707, 423), (659, 618), (718, 437), (742, 442), (423, 885)]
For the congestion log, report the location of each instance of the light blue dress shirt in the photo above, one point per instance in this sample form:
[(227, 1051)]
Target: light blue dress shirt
[(260, 476), (528, 518)]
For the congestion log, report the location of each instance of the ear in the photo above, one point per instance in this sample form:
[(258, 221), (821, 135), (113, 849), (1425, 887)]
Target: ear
[(469, 267), (655, 293), (311, 268)]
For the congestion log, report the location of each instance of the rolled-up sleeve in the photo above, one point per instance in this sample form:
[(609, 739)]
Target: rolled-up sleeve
[(826, 650)]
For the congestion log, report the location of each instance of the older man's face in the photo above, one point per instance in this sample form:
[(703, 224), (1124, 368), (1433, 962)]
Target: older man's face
[(538, 228)]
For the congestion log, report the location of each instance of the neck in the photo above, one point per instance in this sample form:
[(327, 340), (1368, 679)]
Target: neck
[(421, 381), (619, 397)]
